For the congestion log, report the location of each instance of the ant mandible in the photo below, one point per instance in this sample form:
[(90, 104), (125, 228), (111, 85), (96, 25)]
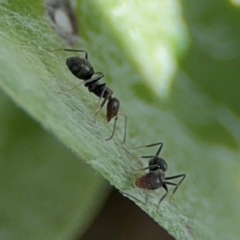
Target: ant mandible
[(156, 178), (82, 69)]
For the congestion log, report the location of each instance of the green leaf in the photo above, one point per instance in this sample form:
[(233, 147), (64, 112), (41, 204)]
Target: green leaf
[(46, 193), (140, 48)]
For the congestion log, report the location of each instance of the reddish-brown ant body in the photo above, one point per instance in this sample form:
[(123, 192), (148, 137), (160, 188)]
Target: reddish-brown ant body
[(82, 69), (156, 178)]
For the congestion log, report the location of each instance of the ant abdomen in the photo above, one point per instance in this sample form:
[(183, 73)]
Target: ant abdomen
[(80, 67), (151, 180)]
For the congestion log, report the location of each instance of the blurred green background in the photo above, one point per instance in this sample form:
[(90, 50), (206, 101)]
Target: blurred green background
[(174, 66)]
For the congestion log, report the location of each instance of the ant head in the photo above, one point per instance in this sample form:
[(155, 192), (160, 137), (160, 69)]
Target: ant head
[(151, 180), (80, 67), (157, 163), (112, 108)]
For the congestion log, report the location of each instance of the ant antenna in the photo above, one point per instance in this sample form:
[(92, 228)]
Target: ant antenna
[(70, 50)]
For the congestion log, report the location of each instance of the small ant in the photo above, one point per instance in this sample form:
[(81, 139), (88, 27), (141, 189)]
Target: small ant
[(156, 178), (82, 69)]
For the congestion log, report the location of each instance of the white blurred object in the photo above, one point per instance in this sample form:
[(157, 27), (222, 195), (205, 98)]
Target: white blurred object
[(63, 19)]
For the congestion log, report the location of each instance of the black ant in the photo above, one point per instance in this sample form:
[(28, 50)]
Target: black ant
[(82, 69), (156, 178)]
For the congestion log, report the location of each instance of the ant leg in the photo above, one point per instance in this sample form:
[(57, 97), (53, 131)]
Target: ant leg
[(125, 127), (107, 97), (114, 126), (97, 111), (71, 50), (68, 90), (103, 103), (101, 106), (152, 145), (128, 152), (94, 79), (132, 156), (158, 151), (182, 176), (147, 156), (146, 168), (160, 148), (161, 199)]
